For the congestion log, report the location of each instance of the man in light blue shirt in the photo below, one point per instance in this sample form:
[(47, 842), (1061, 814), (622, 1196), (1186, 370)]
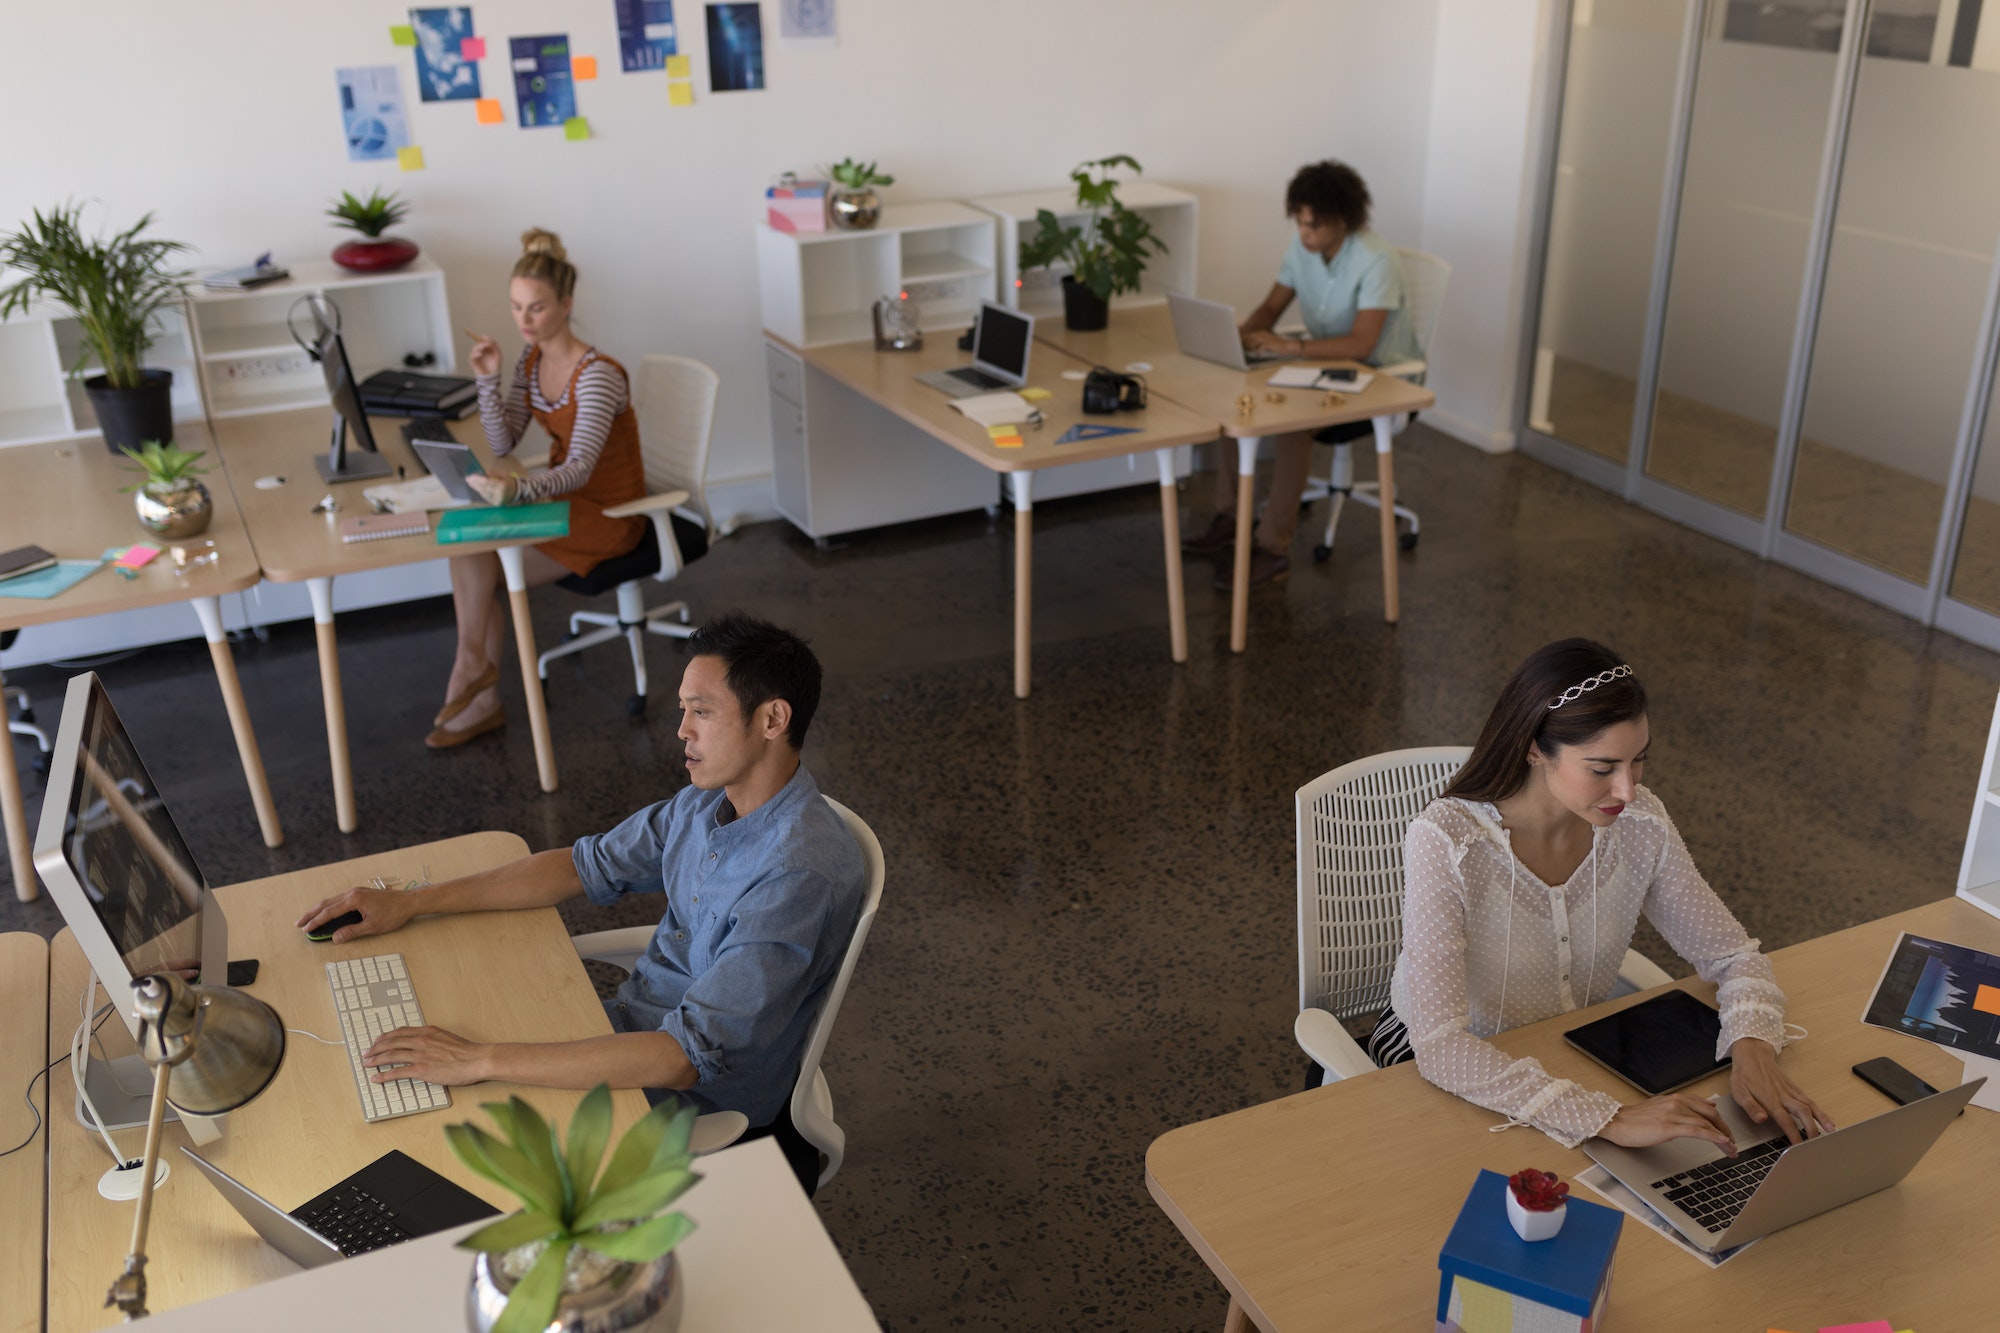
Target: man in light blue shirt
[(760, 881), (1350, 293)]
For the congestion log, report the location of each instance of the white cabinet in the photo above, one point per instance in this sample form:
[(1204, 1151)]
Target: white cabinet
[(821, 287), (1039, 291), (1979, 871), (41, 400)]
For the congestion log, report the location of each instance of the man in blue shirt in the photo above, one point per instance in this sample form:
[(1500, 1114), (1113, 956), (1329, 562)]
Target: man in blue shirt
[(762, 886), (1350, 293)]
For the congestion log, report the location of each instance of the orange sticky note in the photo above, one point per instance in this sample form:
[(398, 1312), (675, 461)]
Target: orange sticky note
[(583, 67), (1987, 1001), (680, 93), (488, 111), (472, 48), (410, 159)]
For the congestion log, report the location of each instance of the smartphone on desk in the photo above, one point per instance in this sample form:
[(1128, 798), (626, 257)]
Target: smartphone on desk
[(1893, 1081)]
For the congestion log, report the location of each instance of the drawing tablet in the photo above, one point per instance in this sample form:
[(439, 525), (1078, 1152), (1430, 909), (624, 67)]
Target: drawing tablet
[(1657, 1045), (451, 463)]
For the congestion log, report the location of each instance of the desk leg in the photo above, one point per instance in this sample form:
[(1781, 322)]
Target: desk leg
[(1022, 484), (209, 611), (1385, 468), (20, 843), (1170, 527), (531, 682), (1237, 1320), (336, 706), (1246, 518)]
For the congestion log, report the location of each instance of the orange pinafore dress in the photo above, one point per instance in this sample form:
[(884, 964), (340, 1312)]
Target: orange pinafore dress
[(619, 477)]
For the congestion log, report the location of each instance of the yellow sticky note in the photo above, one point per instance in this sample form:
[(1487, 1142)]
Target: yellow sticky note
[(402, 34), (576, 127), (583, 67), (1035, 395), (488, 111), (680, 93), (677, 68), (997, 431), (410, 159)]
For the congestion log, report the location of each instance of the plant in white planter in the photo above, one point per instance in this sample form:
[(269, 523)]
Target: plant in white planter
[(1536, 1203)]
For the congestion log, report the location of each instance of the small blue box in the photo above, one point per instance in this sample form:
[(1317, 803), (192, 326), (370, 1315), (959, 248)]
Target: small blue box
[(1494, 1282)]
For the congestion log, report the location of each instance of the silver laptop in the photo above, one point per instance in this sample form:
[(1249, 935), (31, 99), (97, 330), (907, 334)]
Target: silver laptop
[(1001, 341), (1719, 1202), (1207, 329)]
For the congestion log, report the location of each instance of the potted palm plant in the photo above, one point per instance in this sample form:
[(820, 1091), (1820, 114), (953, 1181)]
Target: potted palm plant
[(370, 217), (855, 205), (588, 1249), (1106, 255), (171, 501), (113, 286)]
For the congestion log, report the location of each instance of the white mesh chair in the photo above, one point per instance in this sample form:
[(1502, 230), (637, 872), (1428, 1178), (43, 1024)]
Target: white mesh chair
[(811, 1104), (1351, 824), (675, 404), (1424, 279)]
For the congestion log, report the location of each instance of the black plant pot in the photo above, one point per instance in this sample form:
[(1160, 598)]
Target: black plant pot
[(1083, 309), (129, 417)]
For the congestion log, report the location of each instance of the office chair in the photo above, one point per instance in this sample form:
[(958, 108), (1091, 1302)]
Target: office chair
[(811, 1104), (1424, 277), (24, 725), (675, 404), (1351, 824)]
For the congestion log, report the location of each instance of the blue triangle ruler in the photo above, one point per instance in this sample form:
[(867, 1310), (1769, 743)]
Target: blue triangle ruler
[(1084, 430)]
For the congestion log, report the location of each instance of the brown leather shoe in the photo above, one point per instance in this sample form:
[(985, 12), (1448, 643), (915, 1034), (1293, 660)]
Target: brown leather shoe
[(445, 739), (453, 707), (1265, 567), (1219, 536)]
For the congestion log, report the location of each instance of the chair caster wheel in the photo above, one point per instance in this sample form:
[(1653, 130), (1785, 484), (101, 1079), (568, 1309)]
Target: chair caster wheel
[(636, 705), (1408, 541), (1322, 554)]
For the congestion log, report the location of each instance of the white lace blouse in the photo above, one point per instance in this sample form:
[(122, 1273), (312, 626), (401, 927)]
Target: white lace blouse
[(1487, 947)]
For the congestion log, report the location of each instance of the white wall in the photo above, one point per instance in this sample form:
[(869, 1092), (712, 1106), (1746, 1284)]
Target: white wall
[(221, 117)]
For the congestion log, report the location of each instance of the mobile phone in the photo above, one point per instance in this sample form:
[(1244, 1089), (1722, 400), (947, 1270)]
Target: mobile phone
[(1893, 1081), (243, 972)]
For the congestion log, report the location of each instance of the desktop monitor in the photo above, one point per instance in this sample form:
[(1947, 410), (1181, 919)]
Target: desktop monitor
[(331, 353), (1001, 342)]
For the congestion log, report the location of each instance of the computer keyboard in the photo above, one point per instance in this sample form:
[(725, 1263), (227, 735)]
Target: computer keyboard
[(1714, 1194), (373, 996), (354, 1220)]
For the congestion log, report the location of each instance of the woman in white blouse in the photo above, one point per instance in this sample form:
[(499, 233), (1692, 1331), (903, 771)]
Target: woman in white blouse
[(1524, 883)]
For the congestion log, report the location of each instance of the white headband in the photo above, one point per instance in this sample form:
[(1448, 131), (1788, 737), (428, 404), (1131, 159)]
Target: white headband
[(1577, 691)]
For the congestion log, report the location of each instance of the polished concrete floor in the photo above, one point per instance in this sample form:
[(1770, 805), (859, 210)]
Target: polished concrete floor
[(1087, 936)]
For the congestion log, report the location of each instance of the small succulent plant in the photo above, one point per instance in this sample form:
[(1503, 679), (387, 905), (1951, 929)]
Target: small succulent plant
[(852, 175), (566, 1202), (371, 216), (165, 467), (1538, 1191)]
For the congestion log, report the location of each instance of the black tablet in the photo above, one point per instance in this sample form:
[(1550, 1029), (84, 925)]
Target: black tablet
[(1657, 1045)]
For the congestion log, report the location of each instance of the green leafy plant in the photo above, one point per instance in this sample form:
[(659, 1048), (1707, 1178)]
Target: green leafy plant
[(112, 285), (371, 216), (852, 175), (165, 467), (1107, 253), (566, 1202)]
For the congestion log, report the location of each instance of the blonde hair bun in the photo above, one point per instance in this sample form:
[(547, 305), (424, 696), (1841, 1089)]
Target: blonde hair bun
[(535, 241)]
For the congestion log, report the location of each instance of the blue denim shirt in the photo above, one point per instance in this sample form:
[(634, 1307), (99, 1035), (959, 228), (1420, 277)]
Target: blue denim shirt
[(759, 911)]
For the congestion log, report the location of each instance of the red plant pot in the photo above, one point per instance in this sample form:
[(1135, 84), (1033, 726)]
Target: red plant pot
[(376, 256)]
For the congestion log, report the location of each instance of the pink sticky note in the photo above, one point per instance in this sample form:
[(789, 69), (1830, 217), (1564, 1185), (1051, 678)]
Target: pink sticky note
[(136, 557), (472, 48), (1872, 1326)]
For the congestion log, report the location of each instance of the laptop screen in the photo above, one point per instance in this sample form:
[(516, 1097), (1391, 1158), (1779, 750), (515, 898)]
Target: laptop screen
[(1000, 345)]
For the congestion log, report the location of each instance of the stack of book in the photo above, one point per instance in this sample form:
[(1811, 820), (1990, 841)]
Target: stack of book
[(404, 393), (796, 206), (247, 277)]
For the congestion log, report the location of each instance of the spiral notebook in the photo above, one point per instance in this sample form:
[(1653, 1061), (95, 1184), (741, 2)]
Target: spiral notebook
[(376, 527)]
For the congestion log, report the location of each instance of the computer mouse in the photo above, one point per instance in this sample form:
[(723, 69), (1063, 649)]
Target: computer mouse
[(323, 932)]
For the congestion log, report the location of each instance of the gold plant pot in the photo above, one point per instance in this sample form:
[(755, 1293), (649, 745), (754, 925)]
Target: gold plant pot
[(182, 509)]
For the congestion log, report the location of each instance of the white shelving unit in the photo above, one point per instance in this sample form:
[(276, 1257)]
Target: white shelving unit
[(40, 400), (1979, 871), (821, 287), (1172, 212)]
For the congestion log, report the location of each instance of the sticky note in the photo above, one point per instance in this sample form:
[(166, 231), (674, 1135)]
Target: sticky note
[(583, 67), (411, 158), (576, 127), (402, 34), (488, 110), (680, 93), (1987, 1000), (997, 431), (1008, 442), (677, 68), (1872, 1326), (472, 48), (1036, 395), (137, 557)]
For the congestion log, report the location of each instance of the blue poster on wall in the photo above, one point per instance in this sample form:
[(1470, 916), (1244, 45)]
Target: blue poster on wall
[(371, 112), (735, 48), (646, 34), (443, 72), (543, 92)]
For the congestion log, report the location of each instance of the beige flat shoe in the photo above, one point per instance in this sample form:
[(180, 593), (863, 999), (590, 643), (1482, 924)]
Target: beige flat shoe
[(443, 739), (453, 707)]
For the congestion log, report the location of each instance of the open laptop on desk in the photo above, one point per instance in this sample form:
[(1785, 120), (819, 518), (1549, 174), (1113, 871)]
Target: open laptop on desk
[(1207, 330), (1719, 1202), (1001, 341)]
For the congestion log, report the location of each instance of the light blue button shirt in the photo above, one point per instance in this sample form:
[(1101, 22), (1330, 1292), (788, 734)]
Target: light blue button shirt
[(1362, 275), (759, 912)]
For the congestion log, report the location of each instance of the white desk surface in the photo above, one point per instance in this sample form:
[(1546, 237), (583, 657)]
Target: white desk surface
[(759, 1260)]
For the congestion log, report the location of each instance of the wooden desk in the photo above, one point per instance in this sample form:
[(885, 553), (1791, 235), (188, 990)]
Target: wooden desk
[(1146, 333), (64, 496), (297, 546), (1326, 1210), (489, 976), (24, 998), (889, 379)]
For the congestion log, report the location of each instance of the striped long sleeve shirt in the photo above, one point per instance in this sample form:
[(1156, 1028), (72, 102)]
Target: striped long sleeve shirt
[(601, 394)]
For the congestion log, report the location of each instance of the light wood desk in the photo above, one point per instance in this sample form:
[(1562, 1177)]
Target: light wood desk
[(24, 998), (488, 976), (64, 496), (1146, 333), (297, 546), (1326, 1210), (889, 379)]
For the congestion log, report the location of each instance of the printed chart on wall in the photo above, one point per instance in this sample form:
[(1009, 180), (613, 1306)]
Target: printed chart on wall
[(807, 24), (735, 48), (1944, 993), (371, 112), (645, 34), (443, 72), (543, 92)]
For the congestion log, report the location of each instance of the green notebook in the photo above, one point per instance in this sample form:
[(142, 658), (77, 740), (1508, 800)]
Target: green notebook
[(500, 523)]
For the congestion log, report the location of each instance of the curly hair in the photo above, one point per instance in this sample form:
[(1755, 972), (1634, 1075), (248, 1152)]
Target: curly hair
[(1331, 190)]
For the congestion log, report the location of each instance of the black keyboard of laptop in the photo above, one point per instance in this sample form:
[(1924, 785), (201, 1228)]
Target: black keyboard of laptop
[(978, 379), (427, 428), (354, 1220), (1714, 1194)]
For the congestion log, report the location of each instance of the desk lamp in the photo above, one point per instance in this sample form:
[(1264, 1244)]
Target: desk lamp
[(212, 1049)]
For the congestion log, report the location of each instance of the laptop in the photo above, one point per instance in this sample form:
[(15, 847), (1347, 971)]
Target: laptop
[(1719, 1202), (1207, 330), (393, 1199), (447, 460), (1001, 341)]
